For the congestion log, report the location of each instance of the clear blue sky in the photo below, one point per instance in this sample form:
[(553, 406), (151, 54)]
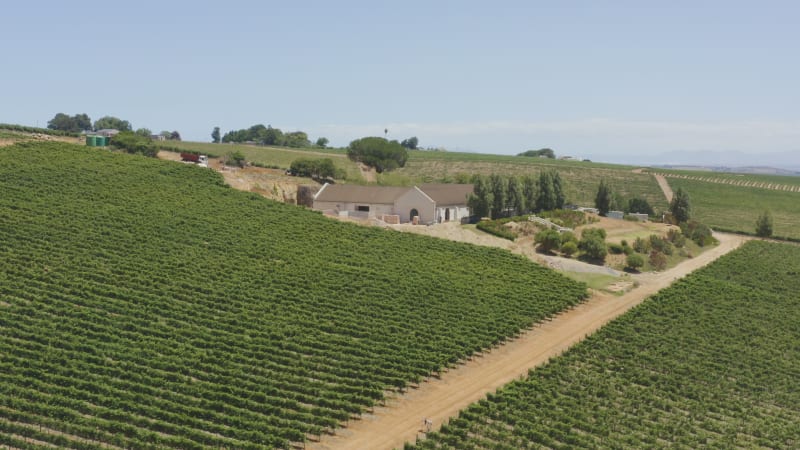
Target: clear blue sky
[(608, 80)]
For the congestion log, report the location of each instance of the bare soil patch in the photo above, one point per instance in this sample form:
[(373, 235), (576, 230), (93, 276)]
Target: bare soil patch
[(270, 183), (439, 399)]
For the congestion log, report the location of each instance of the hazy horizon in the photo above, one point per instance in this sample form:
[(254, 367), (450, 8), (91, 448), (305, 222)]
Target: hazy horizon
[(606, 81)]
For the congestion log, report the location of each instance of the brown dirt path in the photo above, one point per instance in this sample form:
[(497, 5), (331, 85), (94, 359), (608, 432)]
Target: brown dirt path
[(662, 183), (439, 399)]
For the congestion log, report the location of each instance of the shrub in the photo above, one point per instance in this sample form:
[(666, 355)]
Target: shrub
[(568, 236), (698, 232), (593, 243), (658, 260), (548, 240), (133, 143), (676, 237), (569, 248), (634, 261), (616, 249), (641, 245), (660, 244)]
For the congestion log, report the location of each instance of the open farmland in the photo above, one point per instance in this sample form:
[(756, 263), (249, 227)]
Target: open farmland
[(146, 305), (736, 208), (582, 178), (711, 361)]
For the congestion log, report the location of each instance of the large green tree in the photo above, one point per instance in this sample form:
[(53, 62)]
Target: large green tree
[(499, 187), (114, 123), (378, 153), (71, 124), (516, 196), (480, 201), (541, 153), (215, 136), (603, 199), (681, 207), (550, 191), (529, 193)]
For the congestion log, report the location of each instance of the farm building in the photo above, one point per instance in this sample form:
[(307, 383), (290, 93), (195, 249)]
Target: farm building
[(429, 202)]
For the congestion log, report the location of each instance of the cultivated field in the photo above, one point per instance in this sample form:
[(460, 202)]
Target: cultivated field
[(736, 208), (146, 305), (710, 362)]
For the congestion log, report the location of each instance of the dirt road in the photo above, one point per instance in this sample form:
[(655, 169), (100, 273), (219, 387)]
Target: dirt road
[(662, 183), (438, 399)]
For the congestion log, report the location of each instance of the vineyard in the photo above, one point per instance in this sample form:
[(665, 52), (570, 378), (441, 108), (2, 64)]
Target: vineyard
[(736, 208), (146, 305), (712, 361)]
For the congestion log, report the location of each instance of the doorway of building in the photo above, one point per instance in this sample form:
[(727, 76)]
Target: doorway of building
[(412, 214), (447, 215)]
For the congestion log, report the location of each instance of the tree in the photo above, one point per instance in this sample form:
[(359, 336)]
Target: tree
[(174, 136), (569, 248), (634, 261), (314, 168), (764, 225), (166, 134), (516, 196), (548, 240), (410, 143), (529, 193), (541, 153), (550, 191), (499, 189), (322, 142), (144, 132), (680, 207), (480, 200), (602, 201), (74, 124), (215, 136), (109, 122), (296, 139), (593, 243), (641, 206), (379, 153)]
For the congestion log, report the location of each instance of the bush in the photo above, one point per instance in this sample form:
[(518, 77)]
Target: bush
[(616, 249), (235, 159), (569, 248), (660, 244), (593, 243), (548, 240), (496, 228), (133, 143), (676, 237), (658, 260), (634, 261), (568, 236), (318, 169), (641, 245), (698, 232)]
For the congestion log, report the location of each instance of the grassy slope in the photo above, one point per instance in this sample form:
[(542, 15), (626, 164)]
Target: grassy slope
[(141, 297), (710, 362), (281, 157), (737, 208)]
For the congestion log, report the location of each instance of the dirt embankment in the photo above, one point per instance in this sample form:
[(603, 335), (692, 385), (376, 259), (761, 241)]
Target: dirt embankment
[(270, 183), (439, 399)]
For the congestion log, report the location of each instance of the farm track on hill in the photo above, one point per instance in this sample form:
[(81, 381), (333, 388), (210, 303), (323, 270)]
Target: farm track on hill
[(439, 399)]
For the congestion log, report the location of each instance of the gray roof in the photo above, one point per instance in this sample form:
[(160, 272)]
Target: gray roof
[(445, 194), (352, 193)]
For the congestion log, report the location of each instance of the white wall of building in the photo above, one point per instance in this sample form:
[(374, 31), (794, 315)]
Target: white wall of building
[(415, 199)]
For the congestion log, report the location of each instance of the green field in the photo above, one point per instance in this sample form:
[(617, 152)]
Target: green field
[(736, 208), (733, 177), (143, 304), (712, 361), (581, 178)]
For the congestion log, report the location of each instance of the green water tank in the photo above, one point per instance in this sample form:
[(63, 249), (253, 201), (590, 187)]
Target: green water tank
[(91, 141), (102, 141)]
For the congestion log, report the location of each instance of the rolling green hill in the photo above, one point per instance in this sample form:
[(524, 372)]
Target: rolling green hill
[(143, 304), (711, 362)]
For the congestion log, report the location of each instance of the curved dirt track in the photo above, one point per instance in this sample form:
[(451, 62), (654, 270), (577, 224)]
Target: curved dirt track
[(662, 183), (438, 399)]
